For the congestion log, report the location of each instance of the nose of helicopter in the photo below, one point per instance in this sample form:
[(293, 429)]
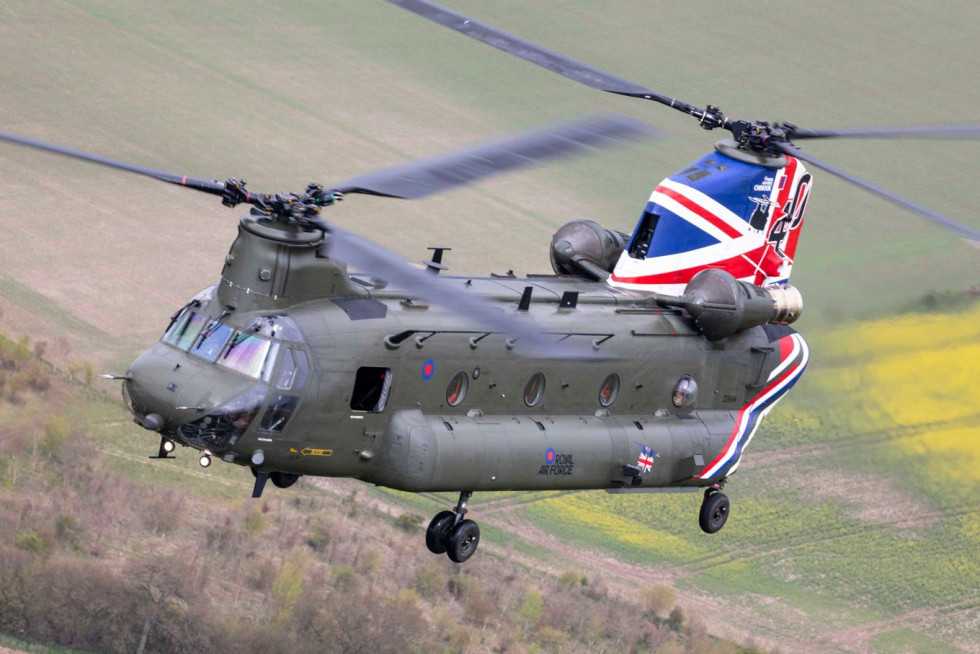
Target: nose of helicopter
[(166, 388), (150, 389)]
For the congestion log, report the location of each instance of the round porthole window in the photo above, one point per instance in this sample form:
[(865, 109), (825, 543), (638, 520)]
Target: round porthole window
[(609, 390), (534, 389), (456, 391), (685, 392)]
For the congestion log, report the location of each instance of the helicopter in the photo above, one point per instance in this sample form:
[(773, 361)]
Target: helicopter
[(318, 353)]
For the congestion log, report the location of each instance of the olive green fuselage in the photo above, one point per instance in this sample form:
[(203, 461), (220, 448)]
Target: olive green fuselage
[(418, 398)]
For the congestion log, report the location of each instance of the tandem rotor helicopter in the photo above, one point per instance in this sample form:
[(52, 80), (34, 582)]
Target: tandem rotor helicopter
[(645, 364)]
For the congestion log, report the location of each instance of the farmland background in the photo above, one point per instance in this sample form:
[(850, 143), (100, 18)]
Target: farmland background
[(852, 526)]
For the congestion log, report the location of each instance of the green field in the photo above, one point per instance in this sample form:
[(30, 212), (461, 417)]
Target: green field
[(852, 526)]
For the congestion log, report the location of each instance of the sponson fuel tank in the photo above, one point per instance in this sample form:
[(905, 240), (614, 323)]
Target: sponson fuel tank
[(509, 452)]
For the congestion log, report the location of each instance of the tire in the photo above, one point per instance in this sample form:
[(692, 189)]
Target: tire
[(283, 479), (437, 535), (714, 512), (463, 541)]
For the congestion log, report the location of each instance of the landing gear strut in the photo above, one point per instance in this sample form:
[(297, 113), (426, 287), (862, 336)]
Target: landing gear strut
[(714, 510), (449, 533), (279, 480), (166, 447)]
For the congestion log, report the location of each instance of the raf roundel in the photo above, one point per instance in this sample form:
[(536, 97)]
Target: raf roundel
[(428, 368), (549, 456)]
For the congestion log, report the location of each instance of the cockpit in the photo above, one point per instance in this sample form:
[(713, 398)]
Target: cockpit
[(251, 352), (269, 351)]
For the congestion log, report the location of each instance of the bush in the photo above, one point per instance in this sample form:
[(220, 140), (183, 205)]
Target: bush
[(571, 578), (531, 608), (368, 560), (37, 543), (37, 375), (253, 523), (56, 430), (67, 531), (343, 576), (409, 522), (429, 579), (163, 513), (318, 537), (659, 599)]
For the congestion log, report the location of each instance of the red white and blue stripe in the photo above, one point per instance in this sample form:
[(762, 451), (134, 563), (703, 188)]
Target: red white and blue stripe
[(794, 356)]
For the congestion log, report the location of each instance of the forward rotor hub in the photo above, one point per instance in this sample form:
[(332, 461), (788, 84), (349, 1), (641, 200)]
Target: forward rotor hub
[(281, 207)]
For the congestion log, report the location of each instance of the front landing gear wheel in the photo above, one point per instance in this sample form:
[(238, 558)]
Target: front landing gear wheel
[(463, 541), (437, 535), (714, 512)]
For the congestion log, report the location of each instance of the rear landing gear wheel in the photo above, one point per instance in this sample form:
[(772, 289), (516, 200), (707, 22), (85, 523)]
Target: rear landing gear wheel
[(437, 535), (449, 533), (463, 541), (714, 511)]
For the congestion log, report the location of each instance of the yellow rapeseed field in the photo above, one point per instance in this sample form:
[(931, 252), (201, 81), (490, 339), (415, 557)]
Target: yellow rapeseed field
[(918, 374)]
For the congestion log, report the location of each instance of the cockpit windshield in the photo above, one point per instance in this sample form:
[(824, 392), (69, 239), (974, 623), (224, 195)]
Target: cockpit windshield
[(252, 352), (184, 329), (211, 341), (250, 355)]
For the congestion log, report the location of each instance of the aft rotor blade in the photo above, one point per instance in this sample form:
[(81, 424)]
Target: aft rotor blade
[(962, 131), (418, 179), (556, 63), (972, 236), (206, 185), (362, 254)]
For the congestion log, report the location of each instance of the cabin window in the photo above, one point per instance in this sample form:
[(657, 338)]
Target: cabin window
[(534, 389), (685, 392), (609, 390), (371, 387), (640, 244), (212, 339), (456, 391)]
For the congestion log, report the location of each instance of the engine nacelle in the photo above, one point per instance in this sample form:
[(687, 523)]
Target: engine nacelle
[(585, 248), (722, 305)]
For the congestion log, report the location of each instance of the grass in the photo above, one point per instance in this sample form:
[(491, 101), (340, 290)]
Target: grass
[(901, 641)]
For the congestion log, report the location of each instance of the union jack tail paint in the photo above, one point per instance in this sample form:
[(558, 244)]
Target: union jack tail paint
[(733, 213)]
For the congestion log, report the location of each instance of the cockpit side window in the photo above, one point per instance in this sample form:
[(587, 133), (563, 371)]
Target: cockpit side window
[(184, 329), (294, 370), (281, 408), (371, 388)]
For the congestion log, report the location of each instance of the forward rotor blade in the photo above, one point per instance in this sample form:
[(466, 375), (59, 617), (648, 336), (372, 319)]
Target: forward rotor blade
[(418, 179), (556, 63), (206, 185), (376, 261), (970, 235), (963, 131)]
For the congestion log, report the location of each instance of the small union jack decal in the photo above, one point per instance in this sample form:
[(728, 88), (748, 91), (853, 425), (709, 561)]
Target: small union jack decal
[(645, 460)]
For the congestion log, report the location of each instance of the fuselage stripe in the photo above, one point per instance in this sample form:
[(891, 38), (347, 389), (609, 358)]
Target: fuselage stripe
[(750, 415)]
